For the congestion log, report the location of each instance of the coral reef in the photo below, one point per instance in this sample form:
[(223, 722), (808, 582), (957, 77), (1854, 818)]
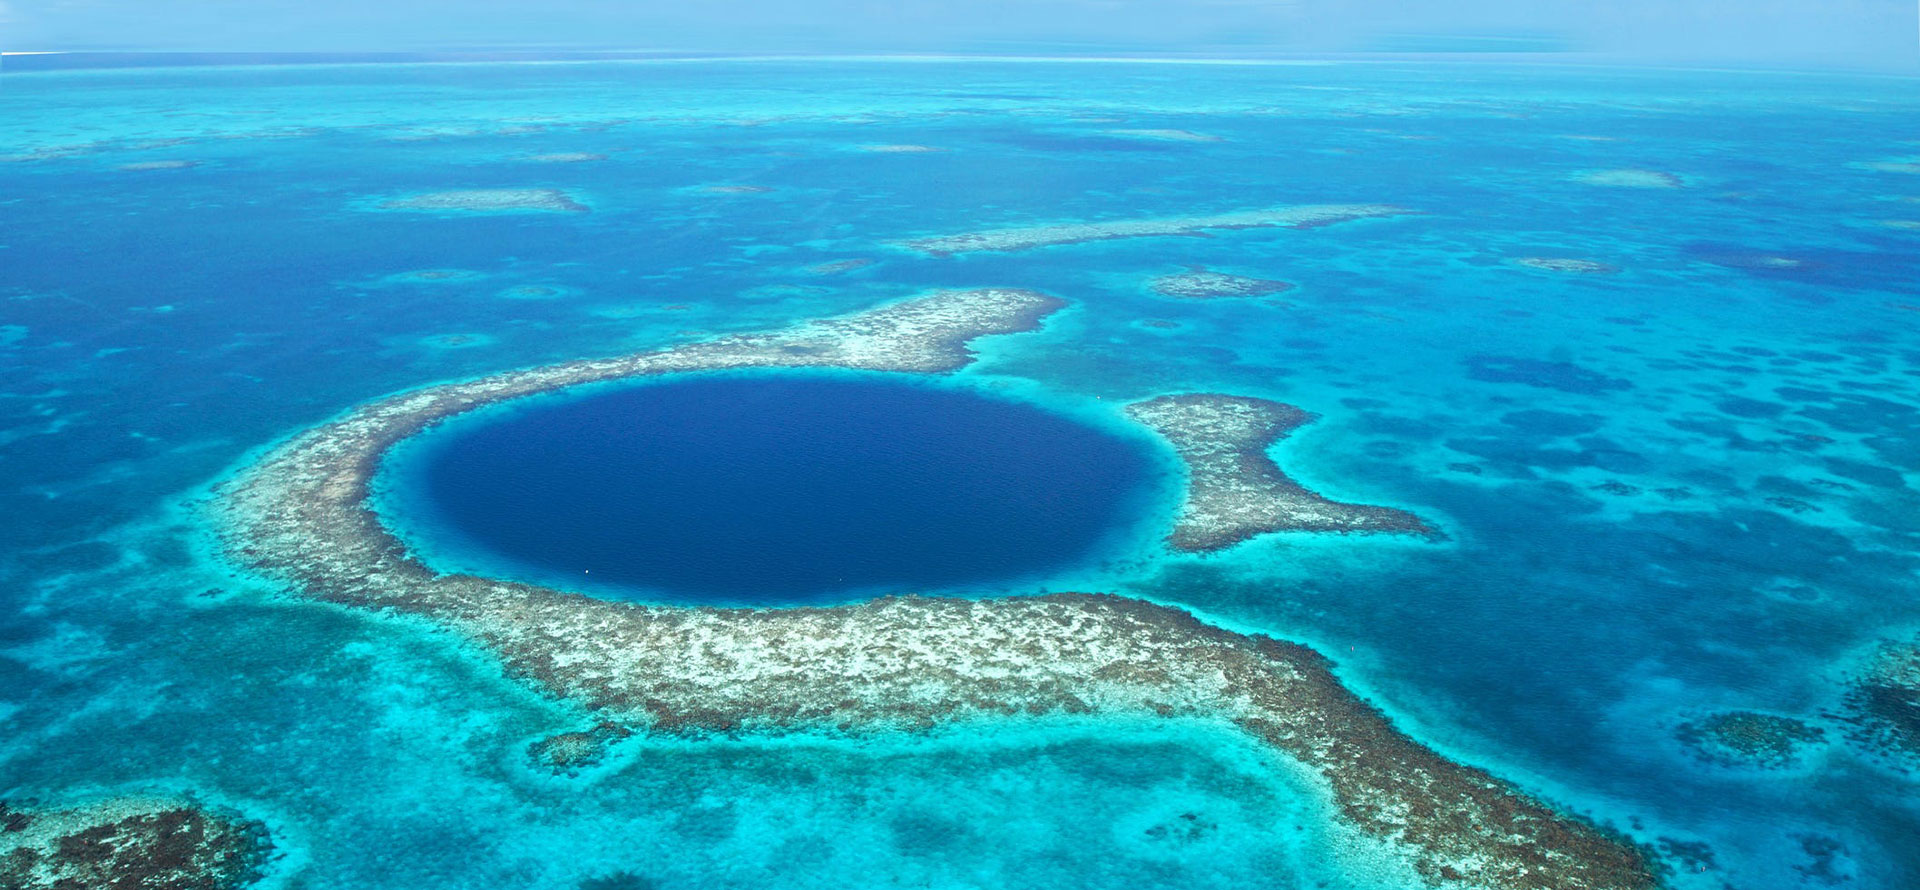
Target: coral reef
[(1566, 264), (1167, 135), (533, 292), (129, 844), (1199, 284), (489, 201), (435, 276), (1748, 738), (569, 752), (1883, 704), (1028, 237), (300, 513), (838, 267), (1234, 491), (1899, 165), (1635, 179)]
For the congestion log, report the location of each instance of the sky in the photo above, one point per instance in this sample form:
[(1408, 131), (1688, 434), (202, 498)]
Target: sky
[(1882, 34)]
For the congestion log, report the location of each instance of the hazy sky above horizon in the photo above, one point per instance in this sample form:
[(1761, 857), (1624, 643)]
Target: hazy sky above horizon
[(1854, 33)]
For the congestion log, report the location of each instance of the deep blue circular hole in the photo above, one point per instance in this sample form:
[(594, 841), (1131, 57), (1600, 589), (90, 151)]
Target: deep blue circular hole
[(775, 488)]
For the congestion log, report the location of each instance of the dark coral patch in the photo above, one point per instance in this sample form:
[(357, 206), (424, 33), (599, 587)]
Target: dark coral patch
[(1738, 406), (130, 845), (1884, 703), (1749, 738), (1552, 423), (1866, 473), (1562, 376), (569, 752)]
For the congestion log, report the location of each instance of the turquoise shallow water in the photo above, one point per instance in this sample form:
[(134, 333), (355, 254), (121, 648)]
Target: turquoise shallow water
[(1680, 488)]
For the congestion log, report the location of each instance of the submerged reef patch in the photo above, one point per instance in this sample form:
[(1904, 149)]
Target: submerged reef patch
[(569, 752), (300, 513), (837, 267), (434, 276), (1749, 738), (130, 844), (534, 292), (1234, 490), (1166, 135), (1630, 178), (1566, 264), (1562, 376), (1199, 284), (1027, 237), (159, 165), (1884, 702), (1896, 165), (489, 201)]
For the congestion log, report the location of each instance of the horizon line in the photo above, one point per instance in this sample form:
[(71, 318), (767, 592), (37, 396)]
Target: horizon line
[(1582, 58)]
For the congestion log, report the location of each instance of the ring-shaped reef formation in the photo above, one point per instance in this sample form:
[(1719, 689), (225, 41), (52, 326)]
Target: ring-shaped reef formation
[(301, 513)]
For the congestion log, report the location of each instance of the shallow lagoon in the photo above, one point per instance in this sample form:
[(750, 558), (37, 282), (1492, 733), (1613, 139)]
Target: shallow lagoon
[(1679, 489)]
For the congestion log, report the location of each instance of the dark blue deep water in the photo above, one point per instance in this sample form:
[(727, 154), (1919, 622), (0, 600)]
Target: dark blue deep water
[(780, 487)]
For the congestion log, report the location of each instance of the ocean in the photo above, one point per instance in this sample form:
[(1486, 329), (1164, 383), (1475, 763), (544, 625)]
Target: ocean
[(1645, 350)]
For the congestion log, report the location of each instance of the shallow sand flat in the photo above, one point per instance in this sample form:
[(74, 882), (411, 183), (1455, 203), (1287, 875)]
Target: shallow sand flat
[(1028, 237), (300, 513)]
